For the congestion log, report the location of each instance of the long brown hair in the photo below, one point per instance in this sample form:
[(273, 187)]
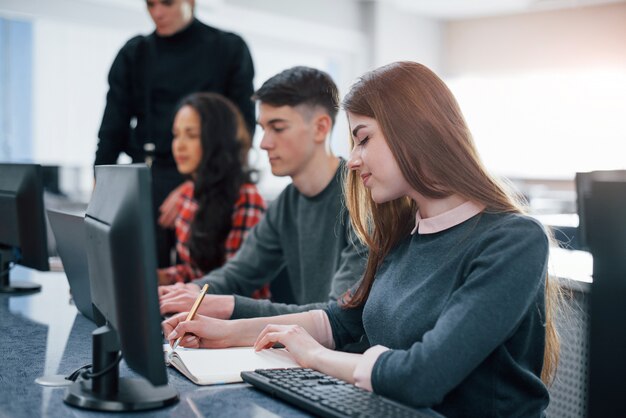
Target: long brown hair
[(428, 137), (220, 174)]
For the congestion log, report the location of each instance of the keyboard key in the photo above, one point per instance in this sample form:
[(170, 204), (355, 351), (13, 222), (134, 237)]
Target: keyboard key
[(325, 395)]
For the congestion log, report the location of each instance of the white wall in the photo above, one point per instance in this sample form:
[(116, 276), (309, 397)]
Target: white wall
[(544, 93), (580, 38), (344, 14), (511, 73), (71, 63), (399, 35), (75, 42), (281, 40)]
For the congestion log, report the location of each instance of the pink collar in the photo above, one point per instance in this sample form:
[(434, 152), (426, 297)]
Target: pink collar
[(447, 219)]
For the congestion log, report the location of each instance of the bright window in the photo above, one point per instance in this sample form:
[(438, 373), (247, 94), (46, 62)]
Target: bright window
[(546, 125)]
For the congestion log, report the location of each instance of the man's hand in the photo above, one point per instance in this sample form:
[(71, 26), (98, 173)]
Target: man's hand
[(180, 298), (164, 290)]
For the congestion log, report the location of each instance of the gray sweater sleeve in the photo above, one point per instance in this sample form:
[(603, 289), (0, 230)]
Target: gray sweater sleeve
[(310, 238), (258, 261), (253, 308), (353, 258), (346, 324), (503, 285)]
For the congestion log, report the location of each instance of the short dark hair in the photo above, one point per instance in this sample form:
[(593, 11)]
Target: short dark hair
[(300, 85)]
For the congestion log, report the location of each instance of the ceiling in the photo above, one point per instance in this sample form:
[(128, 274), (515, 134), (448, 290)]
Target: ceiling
[(434, 9), (467, 9)]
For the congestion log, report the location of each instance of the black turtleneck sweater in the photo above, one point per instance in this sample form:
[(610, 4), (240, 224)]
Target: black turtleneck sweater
[(152, 73)]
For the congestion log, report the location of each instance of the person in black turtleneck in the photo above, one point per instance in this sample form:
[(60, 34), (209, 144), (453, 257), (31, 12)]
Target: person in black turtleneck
[(147, 79)]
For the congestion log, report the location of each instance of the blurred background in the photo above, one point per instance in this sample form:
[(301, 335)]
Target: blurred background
[(542, 83)]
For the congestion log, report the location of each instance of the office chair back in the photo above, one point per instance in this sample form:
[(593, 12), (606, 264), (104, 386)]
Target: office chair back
[(568, 393)]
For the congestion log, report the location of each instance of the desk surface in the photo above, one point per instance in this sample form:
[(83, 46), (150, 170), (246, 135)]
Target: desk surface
[(42, 334)]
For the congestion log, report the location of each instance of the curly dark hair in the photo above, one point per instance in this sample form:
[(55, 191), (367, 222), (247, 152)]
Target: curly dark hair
[(222, 170)]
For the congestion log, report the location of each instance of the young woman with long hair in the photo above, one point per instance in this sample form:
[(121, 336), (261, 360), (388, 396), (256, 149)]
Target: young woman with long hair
[(455, 308), (220, 203)]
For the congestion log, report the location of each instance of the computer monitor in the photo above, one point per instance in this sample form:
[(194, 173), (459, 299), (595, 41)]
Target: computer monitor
[(121, 254), (69, 234), (23, 237), (606, 234), (583, 194)]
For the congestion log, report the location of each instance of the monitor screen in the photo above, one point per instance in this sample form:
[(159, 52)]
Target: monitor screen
[(69, 233), (583, 194), (606, 234), (23, 236), (121, 254)]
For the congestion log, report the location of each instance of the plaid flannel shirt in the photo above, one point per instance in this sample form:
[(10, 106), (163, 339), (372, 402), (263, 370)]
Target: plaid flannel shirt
[(248, 211)]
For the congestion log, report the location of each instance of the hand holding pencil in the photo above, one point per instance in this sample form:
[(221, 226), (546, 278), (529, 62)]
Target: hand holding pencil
[(195, 330), (192, 312)]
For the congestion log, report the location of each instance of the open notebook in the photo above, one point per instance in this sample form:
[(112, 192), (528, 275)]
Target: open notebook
[(205, 366)]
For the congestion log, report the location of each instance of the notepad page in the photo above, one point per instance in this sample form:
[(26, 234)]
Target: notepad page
[(213, 366)]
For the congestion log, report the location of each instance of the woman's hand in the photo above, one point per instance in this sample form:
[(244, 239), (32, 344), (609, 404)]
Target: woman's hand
[(201, 332), (165, 290), (304, 348), (164, 277), (169, 208)]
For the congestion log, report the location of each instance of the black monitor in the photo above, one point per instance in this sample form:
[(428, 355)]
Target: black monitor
[(605, 220), (583, 194), (121, 254), (23, 237)]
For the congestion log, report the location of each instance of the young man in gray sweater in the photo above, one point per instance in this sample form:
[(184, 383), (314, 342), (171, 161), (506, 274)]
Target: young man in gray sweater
[(306, 231)]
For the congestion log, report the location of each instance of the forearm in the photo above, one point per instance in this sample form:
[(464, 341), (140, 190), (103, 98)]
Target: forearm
[(108, 150), (114, 132), (252, 308), (182, 273), (244, 332), (336, 363), (246, 272), (241, 88)]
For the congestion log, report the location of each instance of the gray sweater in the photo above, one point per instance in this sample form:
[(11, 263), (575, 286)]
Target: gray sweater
[(309, 237), (462, 311)]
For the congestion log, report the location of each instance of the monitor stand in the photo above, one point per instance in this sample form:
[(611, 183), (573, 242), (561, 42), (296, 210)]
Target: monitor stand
[(108, 391), (7, 256)]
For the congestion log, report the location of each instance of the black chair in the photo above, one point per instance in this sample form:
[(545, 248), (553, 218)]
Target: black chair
[(568, 393)]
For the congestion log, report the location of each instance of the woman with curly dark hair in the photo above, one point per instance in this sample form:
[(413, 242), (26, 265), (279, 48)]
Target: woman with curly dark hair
[(220, 203)]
